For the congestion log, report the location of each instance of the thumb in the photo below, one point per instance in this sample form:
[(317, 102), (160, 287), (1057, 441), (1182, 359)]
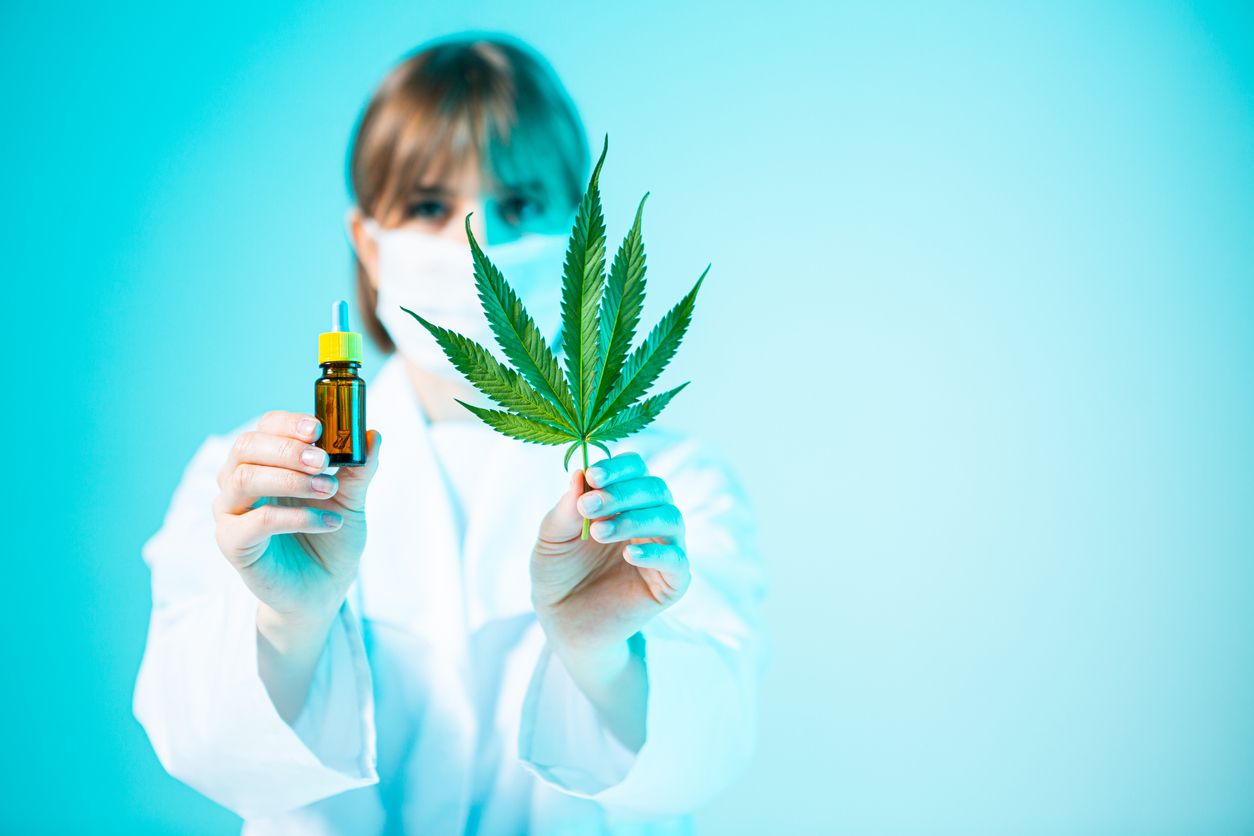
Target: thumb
[(353, 481), (564, 522)]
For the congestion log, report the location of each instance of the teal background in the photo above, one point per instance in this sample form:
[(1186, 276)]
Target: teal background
[(979, 338)]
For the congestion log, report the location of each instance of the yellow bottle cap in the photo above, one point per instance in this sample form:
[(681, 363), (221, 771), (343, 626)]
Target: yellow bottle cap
[(339, 347)]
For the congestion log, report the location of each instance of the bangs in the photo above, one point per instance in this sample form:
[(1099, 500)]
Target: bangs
[(459, 103)]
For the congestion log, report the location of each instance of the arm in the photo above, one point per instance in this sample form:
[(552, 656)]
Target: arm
[(288, 650), (223, 692), (700, 657), (591, 596), (615, 682), (298, 559)]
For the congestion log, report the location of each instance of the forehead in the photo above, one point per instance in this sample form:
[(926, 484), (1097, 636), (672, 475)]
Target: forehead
[(463, 175), (470, 173), (471, 146)]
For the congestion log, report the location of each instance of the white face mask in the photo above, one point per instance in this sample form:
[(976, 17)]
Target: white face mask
[(434, 277)]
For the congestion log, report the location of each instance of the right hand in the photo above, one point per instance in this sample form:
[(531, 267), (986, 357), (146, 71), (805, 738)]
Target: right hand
[(294, 533)]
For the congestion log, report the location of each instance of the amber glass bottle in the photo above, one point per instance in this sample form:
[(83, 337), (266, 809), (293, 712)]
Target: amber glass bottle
[(340, 395)]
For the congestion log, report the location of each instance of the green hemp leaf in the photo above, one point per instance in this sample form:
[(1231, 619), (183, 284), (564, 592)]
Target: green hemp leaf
[(600, 398)]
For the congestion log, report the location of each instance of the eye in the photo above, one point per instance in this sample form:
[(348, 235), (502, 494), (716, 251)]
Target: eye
[(427, 210), (518, 210)]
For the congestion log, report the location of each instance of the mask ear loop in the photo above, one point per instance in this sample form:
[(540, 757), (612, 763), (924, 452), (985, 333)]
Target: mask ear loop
[(367, 223)]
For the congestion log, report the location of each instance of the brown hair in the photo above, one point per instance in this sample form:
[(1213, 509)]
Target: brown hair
[(485, 99)]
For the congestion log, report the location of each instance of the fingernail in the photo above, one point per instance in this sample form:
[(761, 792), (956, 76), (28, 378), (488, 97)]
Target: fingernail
[(594, 474), (307, 426), (323, 484), (633, 552), (314, 457), (332, 520), (602, 529), (590, 503)]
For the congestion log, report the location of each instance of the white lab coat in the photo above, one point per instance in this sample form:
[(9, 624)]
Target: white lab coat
[(436, 707)]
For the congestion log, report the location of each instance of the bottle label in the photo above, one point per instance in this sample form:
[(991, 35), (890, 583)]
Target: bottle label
[(341, 407)]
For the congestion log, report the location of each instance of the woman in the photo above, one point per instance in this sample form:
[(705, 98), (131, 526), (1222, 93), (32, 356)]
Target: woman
[(473, 666)]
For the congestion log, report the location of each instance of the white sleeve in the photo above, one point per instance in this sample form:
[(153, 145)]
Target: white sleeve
[(704, 659), (199, 695)]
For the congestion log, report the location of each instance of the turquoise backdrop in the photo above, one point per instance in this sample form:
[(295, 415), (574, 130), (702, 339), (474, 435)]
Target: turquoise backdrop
[(979, 338)]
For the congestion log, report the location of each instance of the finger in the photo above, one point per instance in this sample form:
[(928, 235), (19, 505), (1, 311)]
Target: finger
[(247, 530), (616, 469), (296, 426), (671, 564), (665, 557), (272, 451), (250, 482), (645, 492), (663, 522), (365, 472), (290, 424), (564, 523), (355, 480)]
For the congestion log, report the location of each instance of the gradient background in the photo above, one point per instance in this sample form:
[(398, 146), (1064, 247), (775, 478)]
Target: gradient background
[(979, 338)]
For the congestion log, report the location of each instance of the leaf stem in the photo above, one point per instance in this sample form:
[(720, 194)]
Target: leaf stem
[(586, 521)]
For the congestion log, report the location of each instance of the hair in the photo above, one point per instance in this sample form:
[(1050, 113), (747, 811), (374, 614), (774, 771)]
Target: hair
[(484, 99)]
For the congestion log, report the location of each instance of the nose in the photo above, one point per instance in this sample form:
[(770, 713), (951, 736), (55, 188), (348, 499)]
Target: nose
[(455, 229)]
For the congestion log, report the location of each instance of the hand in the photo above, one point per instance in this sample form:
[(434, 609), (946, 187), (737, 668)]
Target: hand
[(592, 595), (298, 557)]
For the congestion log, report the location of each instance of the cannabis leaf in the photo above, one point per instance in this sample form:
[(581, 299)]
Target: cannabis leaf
[(598, 398)]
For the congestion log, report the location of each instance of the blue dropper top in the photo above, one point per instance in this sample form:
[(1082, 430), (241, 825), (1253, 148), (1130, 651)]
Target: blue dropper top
[(339, 345)]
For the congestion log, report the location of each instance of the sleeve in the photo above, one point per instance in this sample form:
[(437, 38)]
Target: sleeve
[(704, 658), (199, 695)]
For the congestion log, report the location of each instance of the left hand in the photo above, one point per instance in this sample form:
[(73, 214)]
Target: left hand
[(592, 595)]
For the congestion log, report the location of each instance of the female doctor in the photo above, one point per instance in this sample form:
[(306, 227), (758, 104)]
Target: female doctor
[(472, 666)]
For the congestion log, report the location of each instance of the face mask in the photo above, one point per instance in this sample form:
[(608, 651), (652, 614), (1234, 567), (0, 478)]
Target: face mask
[(434, 277)]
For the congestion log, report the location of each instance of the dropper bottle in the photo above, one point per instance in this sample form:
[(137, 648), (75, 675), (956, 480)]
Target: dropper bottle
[(340, 395)]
